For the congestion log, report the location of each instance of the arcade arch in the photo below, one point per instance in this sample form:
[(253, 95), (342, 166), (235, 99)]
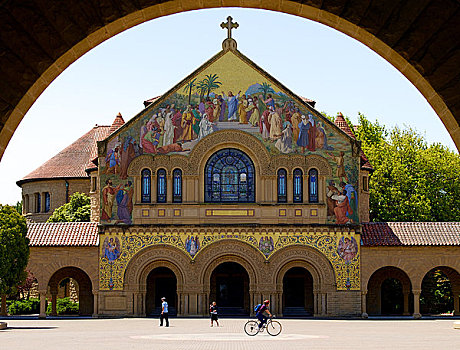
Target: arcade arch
[(388, 292), (437, 86), (440, 291), (85, 288)]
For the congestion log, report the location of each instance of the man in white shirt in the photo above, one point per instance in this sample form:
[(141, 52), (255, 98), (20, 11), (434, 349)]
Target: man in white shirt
[(164, 312)]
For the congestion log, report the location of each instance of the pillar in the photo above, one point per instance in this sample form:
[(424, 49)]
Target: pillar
[(456, 295), (416, 293), (290, 188), (323, 304), (95, 304), (406, 303), (363, 304), (53, 304), (315, 303), (42, 304)]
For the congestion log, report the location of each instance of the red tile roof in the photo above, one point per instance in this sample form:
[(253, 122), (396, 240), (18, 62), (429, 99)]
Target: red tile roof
[(72, 161), (410, 233), (343, 125), (119, 121), (63, 234)]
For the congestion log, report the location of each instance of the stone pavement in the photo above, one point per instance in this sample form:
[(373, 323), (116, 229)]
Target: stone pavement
[(190, 334)]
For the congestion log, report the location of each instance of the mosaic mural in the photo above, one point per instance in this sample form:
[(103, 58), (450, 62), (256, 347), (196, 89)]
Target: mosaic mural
[(228, 92), (340, 249)]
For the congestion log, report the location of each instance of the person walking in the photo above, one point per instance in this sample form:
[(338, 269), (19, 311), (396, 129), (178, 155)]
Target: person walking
[(164, 312), (213, 312)]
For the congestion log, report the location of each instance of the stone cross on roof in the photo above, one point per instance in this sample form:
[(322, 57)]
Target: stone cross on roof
[(229, 43)]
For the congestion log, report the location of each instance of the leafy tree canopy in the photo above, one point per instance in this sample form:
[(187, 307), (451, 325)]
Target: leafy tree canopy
[(77, 210), (412, 181), (14, 248)]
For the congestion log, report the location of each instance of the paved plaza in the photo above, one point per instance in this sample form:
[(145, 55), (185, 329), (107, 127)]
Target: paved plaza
[(188, 334)]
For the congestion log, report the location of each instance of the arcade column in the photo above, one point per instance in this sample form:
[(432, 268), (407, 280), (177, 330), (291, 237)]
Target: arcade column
[(417, 313)]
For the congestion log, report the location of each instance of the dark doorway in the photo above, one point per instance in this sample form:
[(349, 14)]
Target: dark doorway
[(298, 293), (161, 282), (392, 297), (230, 289)]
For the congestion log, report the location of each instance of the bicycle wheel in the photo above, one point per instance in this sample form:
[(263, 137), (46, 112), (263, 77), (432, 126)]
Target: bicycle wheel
[(274, 328), (251, 328)]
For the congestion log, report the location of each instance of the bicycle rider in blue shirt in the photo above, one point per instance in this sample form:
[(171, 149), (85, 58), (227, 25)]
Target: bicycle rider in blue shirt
[(263, 312)]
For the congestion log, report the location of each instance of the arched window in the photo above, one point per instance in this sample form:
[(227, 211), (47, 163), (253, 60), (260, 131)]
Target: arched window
[(298, 187), (177, 186), (282, 186), (161, 186), (146, 186), (313, 186), (229, 177), (47, 202)]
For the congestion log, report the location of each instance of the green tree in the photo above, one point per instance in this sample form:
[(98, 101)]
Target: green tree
[(14, 251), (201, 87), (18, 207), (412, 181), (265, 88), (211, 83), (188, 89), (77, 210)]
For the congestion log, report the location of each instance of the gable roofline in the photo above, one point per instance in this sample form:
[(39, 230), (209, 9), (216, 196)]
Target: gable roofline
[(102, 144)]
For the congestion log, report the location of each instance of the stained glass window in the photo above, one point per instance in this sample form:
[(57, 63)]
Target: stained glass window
[(229, 177), (47, 202), (177, 186), (282, 182), (313, 186), (161, 186), (146, 186), (298, 188)]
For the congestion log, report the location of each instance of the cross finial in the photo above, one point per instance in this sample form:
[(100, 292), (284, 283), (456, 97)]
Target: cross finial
[(229, 25), (229, 43)]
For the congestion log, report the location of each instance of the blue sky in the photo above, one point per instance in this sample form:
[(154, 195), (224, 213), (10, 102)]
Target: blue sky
[(312, 60)]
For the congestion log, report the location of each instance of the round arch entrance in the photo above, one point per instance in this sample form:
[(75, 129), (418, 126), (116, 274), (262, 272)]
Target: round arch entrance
[(83, 289), (298, 300), (440, 291), (389, 290), (161, 282), (230, 289)]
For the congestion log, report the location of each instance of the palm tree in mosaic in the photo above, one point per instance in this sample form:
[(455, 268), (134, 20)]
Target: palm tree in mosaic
[(265, 88), (211, 83), (188, 89), (201, 87)]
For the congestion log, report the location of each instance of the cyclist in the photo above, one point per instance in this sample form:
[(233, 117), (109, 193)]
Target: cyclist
[(263, 312)]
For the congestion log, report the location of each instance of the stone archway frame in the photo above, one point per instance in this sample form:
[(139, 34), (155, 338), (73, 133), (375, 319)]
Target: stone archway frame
[(380, 275), (149, 258), (176, 6), (44, 272), (85, 288), (324, 279), (228, 251), (395, 272)]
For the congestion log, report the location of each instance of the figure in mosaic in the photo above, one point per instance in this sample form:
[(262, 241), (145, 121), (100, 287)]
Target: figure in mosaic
[(347, 249), (111, 248)]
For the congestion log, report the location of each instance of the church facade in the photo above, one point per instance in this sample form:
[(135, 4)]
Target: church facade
[(231, 188)]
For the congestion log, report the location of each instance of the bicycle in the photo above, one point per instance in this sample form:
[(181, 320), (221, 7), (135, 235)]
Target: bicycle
[(273, 327)]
